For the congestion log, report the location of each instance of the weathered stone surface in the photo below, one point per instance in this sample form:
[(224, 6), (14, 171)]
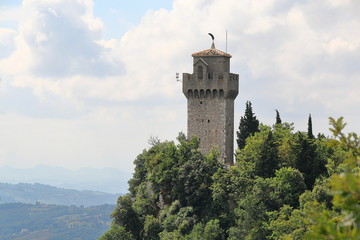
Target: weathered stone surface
[(210, 91)]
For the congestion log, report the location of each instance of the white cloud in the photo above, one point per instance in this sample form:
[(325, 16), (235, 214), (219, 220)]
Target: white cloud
[(340, 45), (6, 35), (299, 57), (58, 38), (6, 41)]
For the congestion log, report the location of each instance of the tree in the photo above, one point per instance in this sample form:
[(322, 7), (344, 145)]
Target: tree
[(351, 142), (343, 221), (144, 202), (117, 233), (175, 219), (179, 193), (288, 185), (247, 127), (152, 228), (278, 119), (139, 174), (268, 162), (310, 131), (124, 215), (286, 224), (213, 231), (162, 169), (195, 179), (251, 211), (228, 187), (316, 218), (307, 158)]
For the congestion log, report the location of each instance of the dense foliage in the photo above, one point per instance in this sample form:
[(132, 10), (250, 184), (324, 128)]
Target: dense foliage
[(249, 125), (53, 222), (284, 185)]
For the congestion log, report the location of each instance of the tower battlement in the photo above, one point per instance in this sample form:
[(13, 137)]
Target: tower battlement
[(222, 84), (210, 91)]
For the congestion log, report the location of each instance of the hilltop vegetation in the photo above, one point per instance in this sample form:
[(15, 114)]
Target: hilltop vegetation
[(283, 185), (21, 221)]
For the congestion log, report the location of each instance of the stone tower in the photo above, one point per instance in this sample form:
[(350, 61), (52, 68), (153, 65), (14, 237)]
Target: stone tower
[(210, 91)]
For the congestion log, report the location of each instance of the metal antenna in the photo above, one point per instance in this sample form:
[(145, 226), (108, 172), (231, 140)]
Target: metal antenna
[(226, 41)]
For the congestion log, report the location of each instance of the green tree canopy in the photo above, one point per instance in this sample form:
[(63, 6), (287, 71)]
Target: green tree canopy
[(117, 233), (284, 185), (268, 161)]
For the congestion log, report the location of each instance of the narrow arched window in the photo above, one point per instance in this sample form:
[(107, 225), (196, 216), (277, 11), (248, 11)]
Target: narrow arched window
[(208, 93), (196, 93), (190, 93), (215, 93), (221, 93), (200, 72)]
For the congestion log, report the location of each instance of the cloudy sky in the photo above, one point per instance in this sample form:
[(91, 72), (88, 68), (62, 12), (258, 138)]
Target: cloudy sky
[(86, 83)]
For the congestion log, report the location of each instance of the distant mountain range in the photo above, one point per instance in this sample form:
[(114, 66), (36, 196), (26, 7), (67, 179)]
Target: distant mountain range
[(41, 212), (107, 180), (39, 193), (21, 221)]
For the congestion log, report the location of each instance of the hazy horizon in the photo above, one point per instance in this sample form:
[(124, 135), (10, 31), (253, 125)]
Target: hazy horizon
[(108, 180)]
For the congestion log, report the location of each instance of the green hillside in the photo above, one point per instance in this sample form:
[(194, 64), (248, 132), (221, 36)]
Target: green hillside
[(20, 221)]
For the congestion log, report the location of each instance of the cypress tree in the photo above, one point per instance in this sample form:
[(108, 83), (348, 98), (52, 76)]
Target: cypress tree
[(247, 127), (310, 132), (278, 119)]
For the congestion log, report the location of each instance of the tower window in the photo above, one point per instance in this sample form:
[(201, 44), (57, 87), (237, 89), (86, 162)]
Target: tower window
[(196, 93), (208, 93), (221, 93), (200, 72), (215, 93), (190, 93)]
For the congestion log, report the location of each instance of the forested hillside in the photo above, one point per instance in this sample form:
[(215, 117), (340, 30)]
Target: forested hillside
[(20, 221), (283, 185)]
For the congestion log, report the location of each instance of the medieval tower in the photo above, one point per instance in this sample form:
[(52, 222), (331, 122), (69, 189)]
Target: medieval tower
[(210, 91)]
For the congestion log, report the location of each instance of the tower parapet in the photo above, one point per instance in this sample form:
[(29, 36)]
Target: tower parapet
[(210, 91)]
